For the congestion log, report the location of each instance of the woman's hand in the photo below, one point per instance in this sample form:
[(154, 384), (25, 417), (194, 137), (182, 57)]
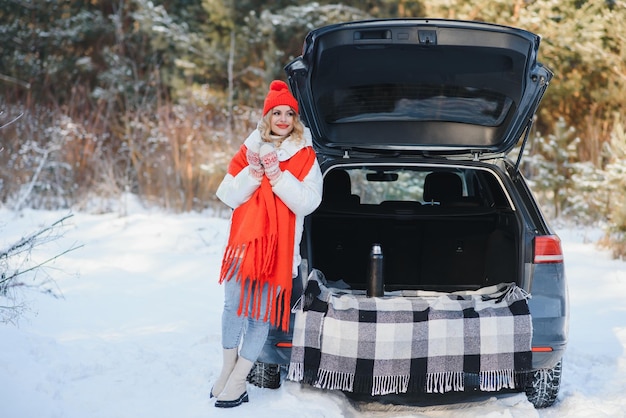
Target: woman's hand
[(269, 160), (254, 161)]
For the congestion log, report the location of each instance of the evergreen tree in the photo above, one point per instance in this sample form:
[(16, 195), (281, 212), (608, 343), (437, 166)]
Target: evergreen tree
[(615, 185), (582, 42), (52, 47), (552, 159)]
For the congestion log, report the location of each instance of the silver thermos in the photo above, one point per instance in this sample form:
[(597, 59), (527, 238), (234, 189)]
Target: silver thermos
[(375, 280)]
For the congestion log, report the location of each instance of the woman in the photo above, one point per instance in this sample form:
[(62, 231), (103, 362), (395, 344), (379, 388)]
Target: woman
[(272, 183)]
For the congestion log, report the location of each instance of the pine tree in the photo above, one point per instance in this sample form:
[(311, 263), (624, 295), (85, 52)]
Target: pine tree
[(615, 185), (552, 159)]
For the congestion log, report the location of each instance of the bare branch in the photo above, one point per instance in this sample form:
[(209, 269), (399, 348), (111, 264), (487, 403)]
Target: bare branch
[(16, 262), (15, 119), (9, 79), (30, 240), (36, 266)]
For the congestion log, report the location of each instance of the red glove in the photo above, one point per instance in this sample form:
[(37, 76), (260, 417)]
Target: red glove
[(269, 160)]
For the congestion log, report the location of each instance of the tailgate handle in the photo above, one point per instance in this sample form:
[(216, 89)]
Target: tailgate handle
[(427, 36), (370, 35)]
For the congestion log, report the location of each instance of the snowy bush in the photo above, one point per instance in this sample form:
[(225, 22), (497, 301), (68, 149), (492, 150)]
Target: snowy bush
[(551, 163), (615, 186), (20, 271)]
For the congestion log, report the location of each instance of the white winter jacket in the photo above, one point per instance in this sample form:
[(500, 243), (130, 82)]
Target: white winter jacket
[(301, 198)]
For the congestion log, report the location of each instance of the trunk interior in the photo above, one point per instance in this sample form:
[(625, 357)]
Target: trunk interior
[(430, 242)]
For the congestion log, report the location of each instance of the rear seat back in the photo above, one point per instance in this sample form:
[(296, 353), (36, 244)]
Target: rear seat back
[(337, 192), (443, 187), (446, 189)]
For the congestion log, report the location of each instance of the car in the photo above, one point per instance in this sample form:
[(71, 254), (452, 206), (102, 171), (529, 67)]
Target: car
[(420, 126)]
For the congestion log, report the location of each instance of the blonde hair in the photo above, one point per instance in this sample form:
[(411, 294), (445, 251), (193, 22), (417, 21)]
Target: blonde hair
[(265, 128)]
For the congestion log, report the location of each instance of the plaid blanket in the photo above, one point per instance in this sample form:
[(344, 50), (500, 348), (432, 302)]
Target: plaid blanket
[(411, 341)]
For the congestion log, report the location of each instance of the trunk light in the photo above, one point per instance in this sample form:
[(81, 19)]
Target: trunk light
[(548, 249)]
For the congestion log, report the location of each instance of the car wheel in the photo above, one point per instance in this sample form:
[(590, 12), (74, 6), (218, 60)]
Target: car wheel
[(543, 388), (265, 375)]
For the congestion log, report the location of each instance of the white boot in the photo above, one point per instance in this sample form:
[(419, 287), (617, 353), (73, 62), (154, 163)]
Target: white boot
[(228, 364), (234, 394)]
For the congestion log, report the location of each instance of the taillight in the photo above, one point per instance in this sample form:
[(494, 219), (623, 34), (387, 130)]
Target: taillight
[(542, 349), (284, 344), (548, 249)]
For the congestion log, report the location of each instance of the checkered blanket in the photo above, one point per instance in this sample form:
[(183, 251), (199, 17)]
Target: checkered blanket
[(411, 341)]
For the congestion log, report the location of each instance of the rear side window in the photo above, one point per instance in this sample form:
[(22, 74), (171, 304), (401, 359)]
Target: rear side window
[(493, 191)]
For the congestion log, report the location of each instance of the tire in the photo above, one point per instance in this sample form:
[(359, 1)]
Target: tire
[(543, 387), (265, 375)]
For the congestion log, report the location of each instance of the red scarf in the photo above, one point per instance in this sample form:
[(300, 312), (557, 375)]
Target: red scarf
[(261, 242)]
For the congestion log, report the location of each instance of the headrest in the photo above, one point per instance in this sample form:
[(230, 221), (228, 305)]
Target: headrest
[(443, 187)]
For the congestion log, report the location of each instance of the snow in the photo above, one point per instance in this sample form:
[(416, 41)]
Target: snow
[(136, 332)]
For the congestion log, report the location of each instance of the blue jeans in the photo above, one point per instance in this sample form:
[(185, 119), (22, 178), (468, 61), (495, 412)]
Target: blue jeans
[(234, 327)]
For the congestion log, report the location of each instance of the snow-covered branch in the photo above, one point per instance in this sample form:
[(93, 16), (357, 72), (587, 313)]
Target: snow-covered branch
[(17, 264)]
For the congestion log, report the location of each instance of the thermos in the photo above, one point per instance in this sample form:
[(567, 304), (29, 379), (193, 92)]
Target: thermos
[(375, 280)]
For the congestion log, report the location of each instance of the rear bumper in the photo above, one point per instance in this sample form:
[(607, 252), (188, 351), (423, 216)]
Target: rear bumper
[(278, 351), (548, 307), (274, 351), (547, 360)]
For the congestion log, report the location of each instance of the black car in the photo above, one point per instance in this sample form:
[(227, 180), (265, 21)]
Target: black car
[(413, 121)]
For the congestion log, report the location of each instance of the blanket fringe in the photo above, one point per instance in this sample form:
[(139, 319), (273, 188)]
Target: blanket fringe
[(516, 293), (494, 380), (443, 382), (333, 380), (490, 381), (384, 385), (296, 371)]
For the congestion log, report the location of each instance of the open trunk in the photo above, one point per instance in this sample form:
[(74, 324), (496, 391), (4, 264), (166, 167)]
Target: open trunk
[(432, 237), (412, 121)]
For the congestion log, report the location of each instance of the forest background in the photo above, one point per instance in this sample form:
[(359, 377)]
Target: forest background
[(99, 98)]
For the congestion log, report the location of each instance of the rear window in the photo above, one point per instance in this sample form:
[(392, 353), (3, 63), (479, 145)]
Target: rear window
[(416, 102), (376, 186), (407, 95), (359, 187)]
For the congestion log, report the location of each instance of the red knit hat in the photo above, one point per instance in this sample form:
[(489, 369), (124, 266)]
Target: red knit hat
[(279, 95)]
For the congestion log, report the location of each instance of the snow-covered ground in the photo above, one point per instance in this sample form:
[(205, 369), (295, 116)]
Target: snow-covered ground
[(136, 332)]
